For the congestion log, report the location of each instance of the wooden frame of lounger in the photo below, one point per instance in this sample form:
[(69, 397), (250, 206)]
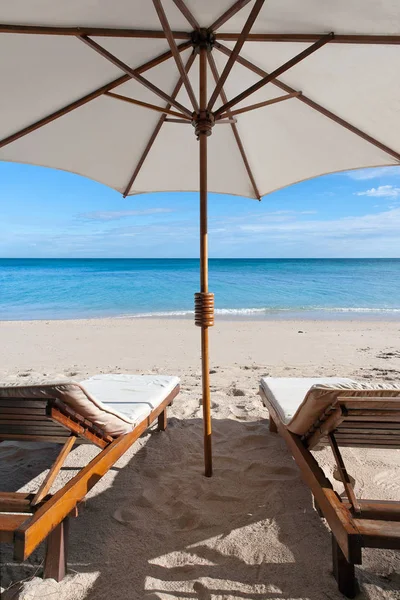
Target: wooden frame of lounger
[(356, 422), (53, 421)]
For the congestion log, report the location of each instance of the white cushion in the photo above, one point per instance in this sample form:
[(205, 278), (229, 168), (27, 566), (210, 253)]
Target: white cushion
[(300, 401), (116, 403), (286, 394), (132, 397)]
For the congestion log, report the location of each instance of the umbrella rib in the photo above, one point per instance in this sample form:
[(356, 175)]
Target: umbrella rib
[(239, 111), (147, 105), (312, 37), (184, 35), (132, 73), (156, 130), (238, 46), (228, 14), (235, 131), (290, 63), (187, 122), (88, 97), (93, 31), (184, 121), (187, 14), (175, 53), (314, 105)]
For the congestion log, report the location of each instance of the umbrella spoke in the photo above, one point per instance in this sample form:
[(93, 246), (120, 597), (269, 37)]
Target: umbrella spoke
[(184, 35), (149, 106), (228, 14), (187, 14), (133, 75), (88, 97), (184, 121), (285, 67), (312, 37), (314, 105), (238, 46), (187, 122), (235, 131), (175, 53), (157, 129), (93, 31), (260, 104)]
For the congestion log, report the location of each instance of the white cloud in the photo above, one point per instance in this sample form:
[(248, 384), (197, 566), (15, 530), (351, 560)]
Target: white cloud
[(383, 191), (382, 224), (363, 174), (113, 215), (293, 212)]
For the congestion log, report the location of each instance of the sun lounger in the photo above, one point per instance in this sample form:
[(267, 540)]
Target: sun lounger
[(109, 411), (341, 412)]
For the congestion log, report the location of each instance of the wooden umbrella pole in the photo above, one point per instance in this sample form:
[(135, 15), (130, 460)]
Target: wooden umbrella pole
[(204, 301)]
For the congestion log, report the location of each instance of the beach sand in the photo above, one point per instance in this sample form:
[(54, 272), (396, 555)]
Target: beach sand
[(154, 528)]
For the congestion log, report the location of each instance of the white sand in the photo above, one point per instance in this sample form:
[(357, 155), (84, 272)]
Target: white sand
[(154, 528)]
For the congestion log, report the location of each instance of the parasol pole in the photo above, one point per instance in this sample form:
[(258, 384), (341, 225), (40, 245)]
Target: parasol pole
[(204, 301)]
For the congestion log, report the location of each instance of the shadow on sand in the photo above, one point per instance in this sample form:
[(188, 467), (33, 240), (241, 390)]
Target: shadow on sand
[(162, 531)]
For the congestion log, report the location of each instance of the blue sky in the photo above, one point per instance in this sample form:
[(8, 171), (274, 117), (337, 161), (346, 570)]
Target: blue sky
[(48, 213)]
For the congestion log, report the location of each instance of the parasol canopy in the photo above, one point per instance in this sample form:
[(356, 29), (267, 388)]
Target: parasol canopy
[(118, 92)]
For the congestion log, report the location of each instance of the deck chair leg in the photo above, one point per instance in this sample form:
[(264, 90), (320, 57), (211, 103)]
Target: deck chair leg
[(162, 420), (343, 571), (272, 425), (344, 476), (55, 564)]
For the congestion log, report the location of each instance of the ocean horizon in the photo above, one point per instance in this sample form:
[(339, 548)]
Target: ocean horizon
[(256, 288)]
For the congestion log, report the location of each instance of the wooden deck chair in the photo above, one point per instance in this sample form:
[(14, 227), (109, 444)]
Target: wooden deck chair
[(109, 411), (341, 412)]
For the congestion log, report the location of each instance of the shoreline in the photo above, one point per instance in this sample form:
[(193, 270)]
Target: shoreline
[(238, 315)]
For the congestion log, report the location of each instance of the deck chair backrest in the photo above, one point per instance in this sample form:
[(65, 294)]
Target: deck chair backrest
[(367, 416), (26, 419), (322, 399), (73, 395), (50, 412)]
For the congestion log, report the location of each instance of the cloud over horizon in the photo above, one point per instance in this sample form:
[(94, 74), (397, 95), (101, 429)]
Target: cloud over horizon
[(365, 174), (114, 215), (383, 191)]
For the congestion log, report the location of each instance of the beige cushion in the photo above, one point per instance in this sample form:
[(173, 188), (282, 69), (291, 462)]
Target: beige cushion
[(116, 403), (300, 401)]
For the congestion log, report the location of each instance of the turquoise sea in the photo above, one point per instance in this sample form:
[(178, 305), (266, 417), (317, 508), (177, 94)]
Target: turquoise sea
[(247, 288)]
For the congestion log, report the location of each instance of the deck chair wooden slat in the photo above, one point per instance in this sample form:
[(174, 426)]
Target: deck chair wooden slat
[(45, 516), (8, 524), (363, 417)]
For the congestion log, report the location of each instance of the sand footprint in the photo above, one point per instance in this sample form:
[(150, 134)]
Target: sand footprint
[(262, 471), (388, 480), (238, 412)]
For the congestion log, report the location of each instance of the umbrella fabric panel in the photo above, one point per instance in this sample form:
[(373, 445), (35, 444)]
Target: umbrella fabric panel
[(44, 73), (101, 140), (103, 13), (313, 16), (360, 83), (174, 161), (286, 145), (290, 142), (40, 74)]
